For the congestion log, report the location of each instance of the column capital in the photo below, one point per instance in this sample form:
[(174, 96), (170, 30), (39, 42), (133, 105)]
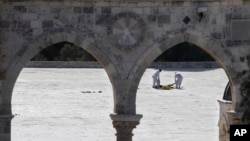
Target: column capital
[(235, 117), (7, 117), (5, 127), (117, 117), (124, 125)]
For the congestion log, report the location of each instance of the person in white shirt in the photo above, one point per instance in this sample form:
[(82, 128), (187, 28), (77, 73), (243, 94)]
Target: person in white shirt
[(156, 79), (178, 79)]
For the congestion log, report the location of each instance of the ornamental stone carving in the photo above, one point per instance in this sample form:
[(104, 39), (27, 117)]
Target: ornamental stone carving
[(127, 30)]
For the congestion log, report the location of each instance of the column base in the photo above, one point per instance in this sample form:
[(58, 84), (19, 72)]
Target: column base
[(124, 125)]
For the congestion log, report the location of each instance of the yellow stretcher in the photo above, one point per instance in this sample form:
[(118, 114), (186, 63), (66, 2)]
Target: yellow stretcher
[(166, 87)]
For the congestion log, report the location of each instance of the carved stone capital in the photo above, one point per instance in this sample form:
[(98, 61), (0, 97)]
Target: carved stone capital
[(235, 117), (6, 117), (124, 125), (116, 117)]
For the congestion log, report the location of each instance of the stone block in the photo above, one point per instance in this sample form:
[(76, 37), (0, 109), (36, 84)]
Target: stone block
[(23, 24), (78, 10), (29, 16), (36, 24), (146, 11), (20, 8), (138, 11), (162, 19), (202, 9), (37, 31), (45, 9), (4, 24), (152, 18), (81, 19), (88, 10), (154, 10), (55, 10), (116, 10), (47, 24), (216, 35), (70, 38), (240, 30), (103, 19), (106, 10)]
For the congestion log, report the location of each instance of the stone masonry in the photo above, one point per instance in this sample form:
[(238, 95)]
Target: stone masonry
[(125, 36)]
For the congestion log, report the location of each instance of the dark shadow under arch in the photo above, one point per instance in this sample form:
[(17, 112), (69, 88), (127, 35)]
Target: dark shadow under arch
[(184, 52), (63, 51)]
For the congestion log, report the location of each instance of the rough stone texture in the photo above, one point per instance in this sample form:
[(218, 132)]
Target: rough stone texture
[(5, 127), (124, 36), (223, 123), (92, 64), (124, 125)]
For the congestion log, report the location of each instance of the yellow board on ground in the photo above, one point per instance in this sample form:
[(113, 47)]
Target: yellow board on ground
[(166, 87)]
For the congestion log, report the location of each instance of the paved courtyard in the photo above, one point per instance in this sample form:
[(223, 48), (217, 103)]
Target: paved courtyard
[(74, 105)]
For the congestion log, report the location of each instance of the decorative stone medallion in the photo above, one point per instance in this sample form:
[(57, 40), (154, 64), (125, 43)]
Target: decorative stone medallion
[(126, 30)]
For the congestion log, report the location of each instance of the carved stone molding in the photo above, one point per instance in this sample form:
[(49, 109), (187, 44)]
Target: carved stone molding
[(126, 30), (124, 125), (6, 117), (116, 117), (235, 117)]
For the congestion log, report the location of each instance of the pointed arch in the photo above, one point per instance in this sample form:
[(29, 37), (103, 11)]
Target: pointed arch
[(46, 40), (213, 48)]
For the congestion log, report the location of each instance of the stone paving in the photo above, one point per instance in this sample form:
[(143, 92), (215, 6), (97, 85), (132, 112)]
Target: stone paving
[(74, 104)]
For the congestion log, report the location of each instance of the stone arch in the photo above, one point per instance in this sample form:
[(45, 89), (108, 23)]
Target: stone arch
[(46, 40), (213, 48)]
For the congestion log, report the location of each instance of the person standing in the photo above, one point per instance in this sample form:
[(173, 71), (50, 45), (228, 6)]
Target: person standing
[(178, 79), (156, 79)]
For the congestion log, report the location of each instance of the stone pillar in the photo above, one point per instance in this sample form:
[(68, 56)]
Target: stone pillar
[(233, 118), (5, 127), (124, 125), (225, 107)]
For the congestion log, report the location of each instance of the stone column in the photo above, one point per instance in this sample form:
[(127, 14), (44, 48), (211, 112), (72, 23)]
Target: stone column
[(5, 127), (225, 107), (124, 125), (233, 119)]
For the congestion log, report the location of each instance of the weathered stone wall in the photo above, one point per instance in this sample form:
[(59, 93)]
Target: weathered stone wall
[(220, 20), (125, 36), (26, 22), (93, 64)]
